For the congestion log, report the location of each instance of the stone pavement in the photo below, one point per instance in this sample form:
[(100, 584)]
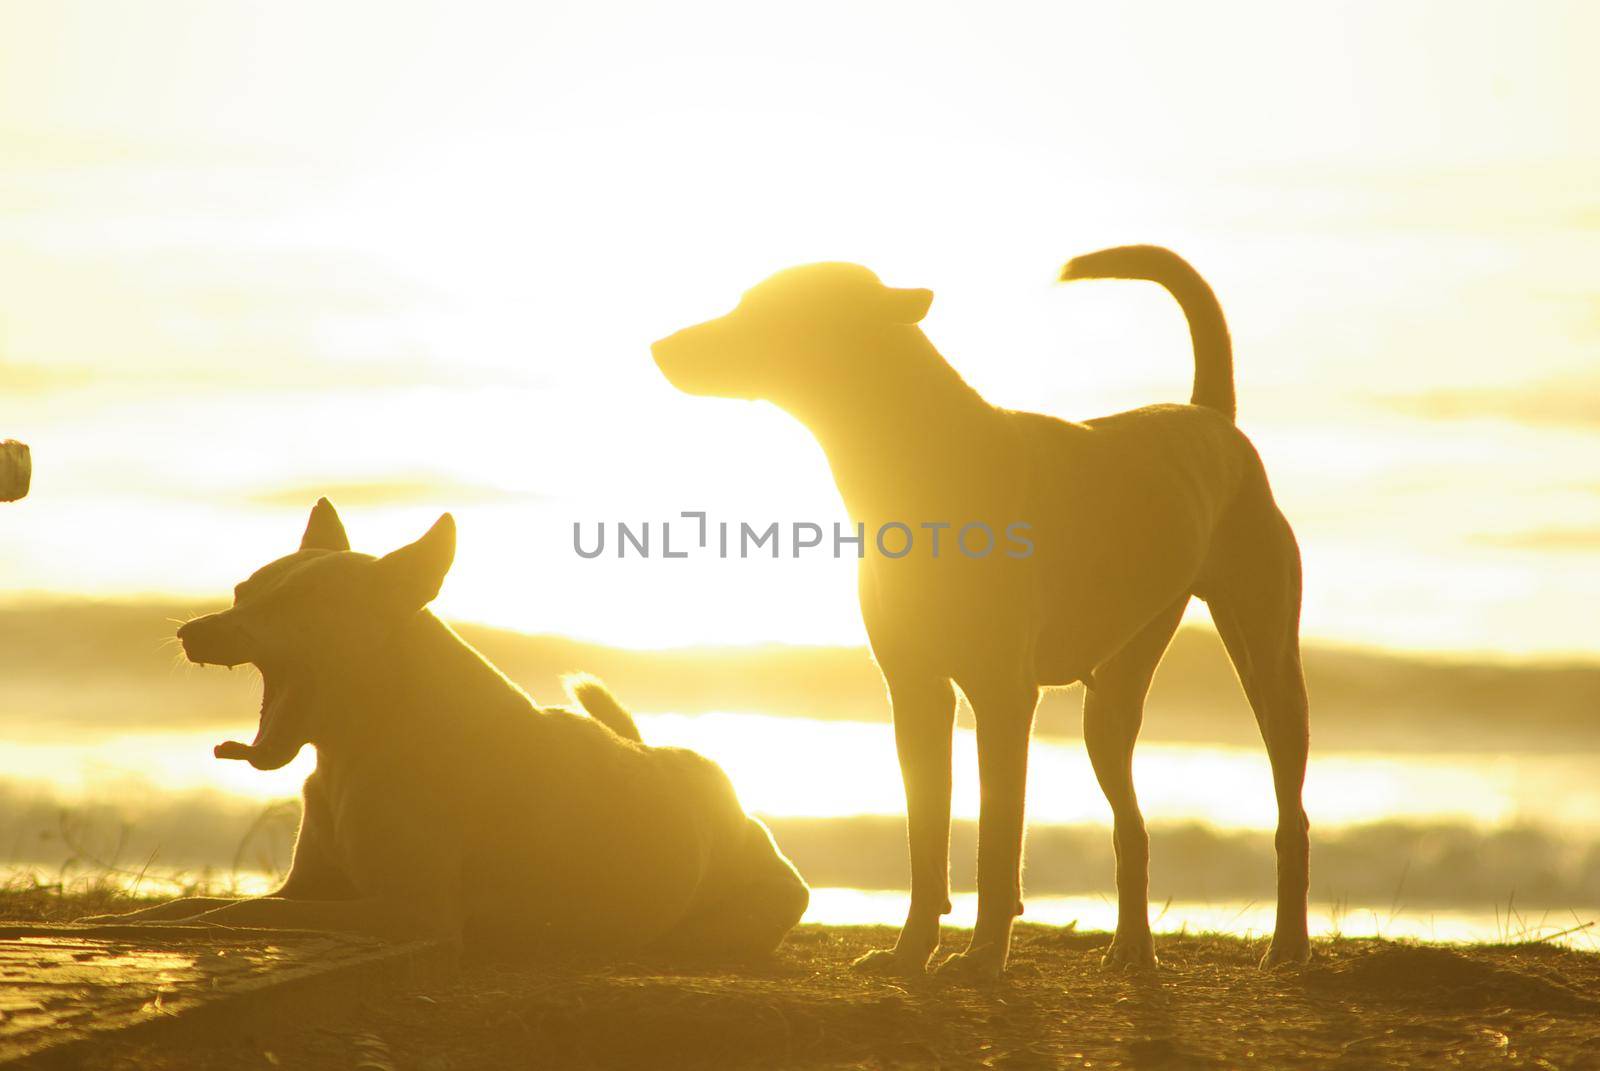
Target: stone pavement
[(65, 986)]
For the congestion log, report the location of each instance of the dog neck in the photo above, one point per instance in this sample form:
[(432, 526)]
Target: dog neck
[(426, 679), (906, 432)]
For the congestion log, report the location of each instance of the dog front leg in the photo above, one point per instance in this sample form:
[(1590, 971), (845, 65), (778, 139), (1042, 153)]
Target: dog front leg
[(924, 719), (1005, 720), (375, 916), (184, 908)]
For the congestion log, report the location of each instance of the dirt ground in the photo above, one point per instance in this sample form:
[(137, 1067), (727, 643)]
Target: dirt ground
[(1360, 1004)]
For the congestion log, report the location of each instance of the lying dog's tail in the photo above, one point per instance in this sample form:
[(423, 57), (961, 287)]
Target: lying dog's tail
[(1213, 350), (596, 699)]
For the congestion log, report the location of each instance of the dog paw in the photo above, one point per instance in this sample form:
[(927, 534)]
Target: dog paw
[(1286, 953), (975, 966), (890, 963), (1131, 954)]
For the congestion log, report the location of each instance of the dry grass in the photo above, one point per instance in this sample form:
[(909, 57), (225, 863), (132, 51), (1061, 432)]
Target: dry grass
[(29, 898), (1360, 1004), (34, 897)]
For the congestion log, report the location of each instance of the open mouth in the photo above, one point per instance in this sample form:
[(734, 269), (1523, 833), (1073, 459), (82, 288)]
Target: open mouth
[(280, 734)]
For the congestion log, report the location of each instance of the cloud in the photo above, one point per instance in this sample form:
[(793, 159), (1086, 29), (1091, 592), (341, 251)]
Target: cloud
[(1570, 403), (36, 379), (385, 491), (132, 378), (1557, 539)]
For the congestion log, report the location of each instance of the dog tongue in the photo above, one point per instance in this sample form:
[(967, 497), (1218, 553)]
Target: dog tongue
[(274, 744)]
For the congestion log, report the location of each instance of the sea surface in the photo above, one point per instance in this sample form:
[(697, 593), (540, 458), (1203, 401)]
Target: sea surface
[(794, 769)]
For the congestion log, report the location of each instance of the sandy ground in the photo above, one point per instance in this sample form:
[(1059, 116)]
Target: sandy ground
[(1360, 1004)]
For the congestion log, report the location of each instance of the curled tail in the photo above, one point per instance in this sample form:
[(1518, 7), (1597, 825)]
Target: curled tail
[(1213, 349), (598, 702)]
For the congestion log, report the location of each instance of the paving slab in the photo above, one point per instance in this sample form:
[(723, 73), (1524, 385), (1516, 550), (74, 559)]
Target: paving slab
[(63, 987)]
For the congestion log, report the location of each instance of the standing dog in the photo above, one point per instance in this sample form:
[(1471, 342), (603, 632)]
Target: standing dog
[(1130, 515), (444, 802)]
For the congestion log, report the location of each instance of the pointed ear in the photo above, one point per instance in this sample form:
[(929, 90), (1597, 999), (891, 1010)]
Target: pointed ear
[(324, 531), (907, 306), (413, 574)]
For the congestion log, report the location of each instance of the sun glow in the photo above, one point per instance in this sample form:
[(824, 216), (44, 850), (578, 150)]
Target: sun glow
[(437, 292)]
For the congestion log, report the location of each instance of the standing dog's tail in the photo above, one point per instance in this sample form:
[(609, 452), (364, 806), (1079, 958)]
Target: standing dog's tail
[(1213, 350), (598, 702)]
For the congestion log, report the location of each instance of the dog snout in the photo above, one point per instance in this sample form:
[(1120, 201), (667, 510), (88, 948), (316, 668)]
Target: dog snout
[(663, 349), (703, 360), (668, 354), (214, 640)]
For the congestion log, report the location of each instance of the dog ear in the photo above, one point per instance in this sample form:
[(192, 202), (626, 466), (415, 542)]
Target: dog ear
[(324, 531), (907, 306), (413, 574)]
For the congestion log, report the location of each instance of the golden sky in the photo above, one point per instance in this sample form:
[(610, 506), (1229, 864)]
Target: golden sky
[(412, 255)]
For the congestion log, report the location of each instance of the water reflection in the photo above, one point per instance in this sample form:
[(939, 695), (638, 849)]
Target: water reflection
[(795, 766), (798, 767), (1242, 919)]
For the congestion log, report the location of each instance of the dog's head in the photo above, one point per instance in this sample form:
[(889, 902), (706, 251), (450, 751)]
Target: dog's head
[(800, 330), (305, 619)]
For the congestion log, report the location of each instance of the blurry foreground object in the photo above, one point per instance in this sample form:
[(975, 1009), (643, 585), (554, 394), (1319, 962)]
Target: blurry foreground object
[(67, 990), (16, 470)]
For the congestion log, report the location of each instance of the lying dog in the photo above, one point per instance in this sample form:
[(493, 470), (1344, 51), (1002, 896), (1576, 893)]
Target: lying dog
[(1129, 516), (444, 802)]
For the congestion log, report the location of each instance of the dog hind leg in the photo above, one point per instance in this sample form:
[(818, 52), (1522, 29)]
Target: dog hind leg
[(1253, 589), (1112, 713), (763, 900)]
